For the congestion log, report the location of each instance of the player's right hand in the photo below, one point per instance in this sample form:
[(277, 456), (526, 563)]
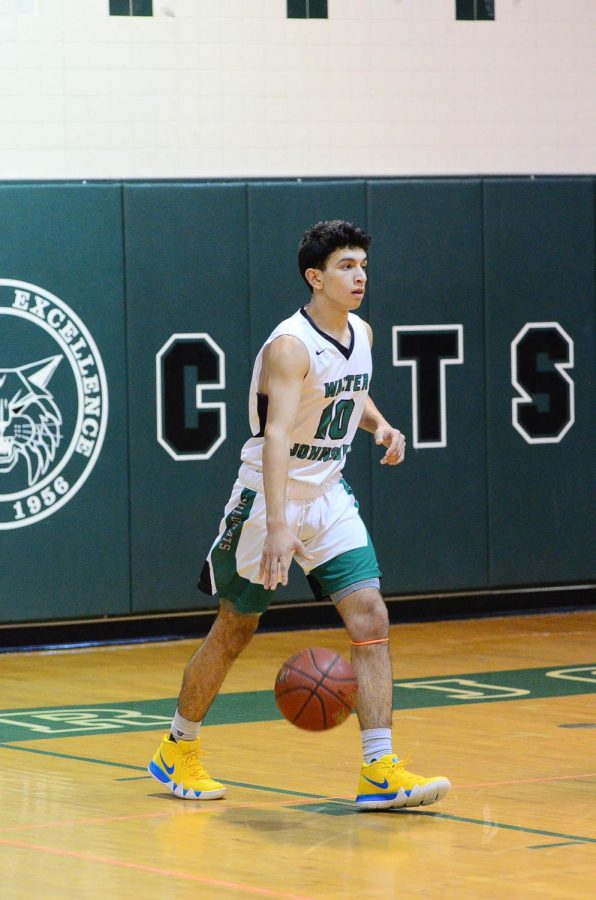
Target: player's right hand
[(278, 550)]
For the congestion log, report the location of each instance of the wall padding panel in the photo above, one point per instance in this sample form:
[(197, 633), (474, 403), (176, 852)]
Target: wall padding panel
[(187, 274), (539, 247), (69, 557), (426, 273), (278, 215)]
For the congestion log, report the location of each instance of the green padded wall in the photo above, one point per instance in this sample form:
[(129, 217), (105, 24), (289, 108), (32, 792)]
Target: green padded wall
[(72, 560), (539, 247), (481, 299)]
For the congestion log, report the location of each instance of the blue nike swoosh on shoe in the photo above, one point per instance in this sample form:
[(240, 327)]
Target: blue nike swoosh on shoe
[(169, 770), (380, 784)]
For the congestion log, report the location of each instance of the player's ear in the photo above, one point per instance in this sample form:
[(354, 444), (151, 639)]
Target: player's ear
[(313, 276)]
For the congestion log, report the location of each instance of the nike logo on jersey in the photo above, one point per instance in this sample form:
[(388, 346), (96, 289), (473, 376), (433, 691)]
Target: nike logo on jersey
[(380, 784), (322, 351)]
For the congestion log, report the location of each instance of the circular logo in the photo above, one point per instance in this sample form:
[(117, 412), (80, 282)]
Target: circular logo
[(53, 403)]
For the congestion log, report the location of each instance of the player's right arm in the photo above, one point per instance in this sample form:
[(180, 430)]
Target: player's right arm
[(285, 367)]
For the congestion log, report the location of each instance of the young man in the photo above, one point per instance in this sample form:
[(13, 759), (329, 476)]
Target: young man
[(308, 395)]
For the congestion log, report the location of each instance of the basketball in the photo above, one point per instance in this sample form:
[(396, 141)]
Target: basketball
[(316, 689)]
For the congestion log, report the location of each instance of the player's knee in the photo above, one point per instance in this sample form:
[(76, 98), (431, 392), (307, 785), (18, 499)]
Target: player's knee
[(376, 623), (369, 619), (235, 631)]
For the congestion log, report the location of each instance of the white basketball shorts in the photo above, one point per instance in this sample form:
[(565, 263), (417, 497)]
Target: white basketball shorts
[(330, 528)]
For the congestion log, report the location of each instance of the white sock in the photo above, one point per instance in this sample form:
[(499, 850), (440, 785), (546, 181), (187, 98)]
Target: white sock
[(183, 729), (376, 742)]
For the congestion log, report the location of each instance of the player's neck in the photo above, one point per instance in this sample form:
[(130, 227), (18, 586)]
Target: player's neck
[(329, 318)]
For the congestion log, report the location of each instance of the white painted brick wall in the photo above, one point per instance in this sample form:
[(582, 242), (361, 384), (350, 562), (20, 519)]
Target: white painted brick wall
[(232, 88)]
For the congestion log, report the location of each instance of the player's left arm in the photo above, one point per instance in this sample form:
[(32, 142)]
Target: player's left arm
[(384, 433)]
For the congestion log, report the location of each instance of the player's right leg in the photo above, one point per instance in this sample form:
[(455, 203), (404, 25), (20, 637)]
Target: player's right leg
[(231, 571), (177, 766), (176, 763)]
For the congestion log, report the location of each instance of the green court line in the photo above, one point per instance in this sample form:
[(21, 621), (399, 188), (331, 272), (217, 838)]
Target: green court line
[(345, 808), (558, 844), (490, 824), (89, 759), (107, 762), (134, 777), (275, 790), (243, 784), (334, 807)]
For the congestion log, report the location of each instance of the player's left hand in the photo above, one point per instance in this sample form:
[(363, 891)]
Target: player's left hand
[(395, 442)]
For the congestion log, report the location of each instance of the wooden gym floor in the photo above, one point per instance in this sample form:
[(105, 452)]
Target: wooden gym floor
[(505, 707)]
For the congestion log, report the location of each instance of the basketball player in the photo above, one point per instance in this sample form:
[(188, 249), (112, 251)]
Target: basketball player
[(308, 395)]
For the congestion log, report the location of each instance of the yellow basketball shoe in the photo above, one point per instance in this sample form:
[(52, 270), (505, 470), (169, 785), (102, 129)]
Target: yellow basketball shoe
[(385, 783), (177, 766)]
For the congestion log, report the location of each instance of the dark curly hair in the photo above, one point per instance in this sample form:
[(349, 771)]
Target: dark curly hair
[(321, 240)]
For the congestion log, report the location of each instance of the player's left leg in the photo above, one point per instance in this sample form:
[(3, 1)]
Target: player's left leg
[(384, 780), (346, 570), (364, 614)]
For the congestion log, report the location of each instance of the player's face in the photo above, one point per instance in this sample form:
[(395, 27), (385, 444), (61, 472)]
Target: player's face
[(344, 277)]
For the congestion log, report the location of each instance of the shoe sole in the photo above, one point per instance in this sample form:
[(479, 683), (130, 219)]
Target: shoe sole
[(417, 796), (179, 790)]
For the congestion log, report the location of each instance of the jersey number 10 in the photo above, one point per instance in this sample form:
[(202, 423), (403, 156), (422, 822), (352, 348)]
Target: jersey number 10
[(335, 420)]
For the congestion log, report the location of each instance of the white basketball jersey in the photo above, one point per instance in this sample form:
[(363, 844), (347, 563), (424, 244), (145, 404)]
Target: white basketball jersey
[(332, 401)]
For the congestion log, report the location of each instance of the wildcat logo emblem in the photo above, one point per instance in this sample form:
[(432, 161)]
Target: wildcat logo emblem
[(53, 403), (29, 418)]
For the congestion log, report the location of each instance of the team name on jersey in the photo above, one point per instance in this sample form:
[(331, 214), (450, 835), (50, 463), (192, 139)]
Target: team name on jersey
[(311, 451), (234, 521), (348, 383)]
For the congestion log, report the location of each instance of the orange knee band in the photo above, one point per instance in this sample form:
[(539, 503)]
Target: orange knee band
[(365, 643)]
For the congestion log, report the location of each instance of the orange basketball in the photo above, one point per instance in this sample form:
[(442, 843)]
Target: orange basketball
[(316, 689)]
